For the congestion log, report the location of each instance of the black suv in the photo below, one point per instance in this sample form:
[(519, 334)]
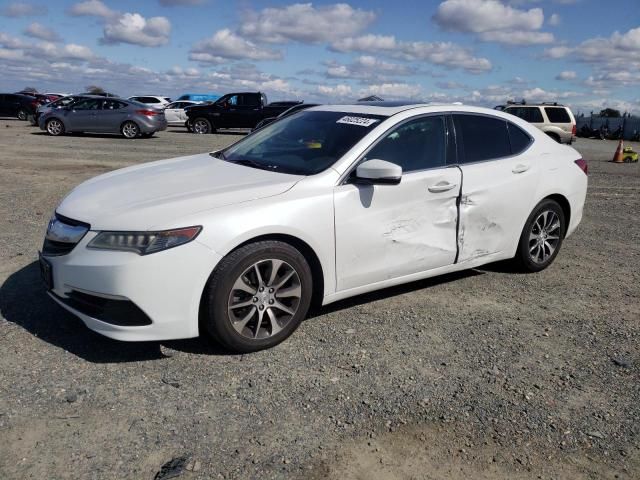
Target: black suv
[(17, 105)]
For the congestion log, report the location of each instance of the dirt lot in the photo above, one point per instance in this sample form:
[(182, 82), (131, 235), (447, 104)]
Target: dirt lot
[(483, 374)]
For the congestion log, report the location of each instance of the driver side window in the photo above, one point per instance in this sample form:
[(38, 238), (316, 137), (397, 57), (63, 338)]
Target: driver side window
[(416, 145)]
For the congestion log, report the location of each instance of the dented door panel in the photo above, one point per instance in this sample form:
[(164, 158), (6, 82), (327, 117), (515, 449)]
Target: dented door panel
[(497, 197), (388, 231)]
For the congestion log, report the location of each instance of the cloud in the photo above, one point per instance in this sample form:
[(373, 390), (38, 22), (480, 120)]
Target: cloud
[(22, 9), (340, 91), (451, 85), (367, 68), (302, 22), (135, 29), (130, 28), (37, 30), (225, 44), (393, 91), (554, 20), (566, 75), (176, 3), (447, 54), (493, 21), (92, 8)]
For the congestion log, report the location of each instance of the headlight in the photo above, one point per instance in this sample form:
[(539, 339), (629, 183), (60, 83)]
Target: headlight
[(144, 243)]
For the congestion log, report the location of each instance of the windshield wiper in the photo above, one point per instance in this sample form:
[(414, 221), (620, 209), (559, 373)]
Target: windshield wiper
[(252, 163)]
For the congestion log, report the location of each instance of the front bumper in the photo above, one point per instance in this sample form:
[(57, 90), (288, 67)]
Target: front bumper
[(166, 287)]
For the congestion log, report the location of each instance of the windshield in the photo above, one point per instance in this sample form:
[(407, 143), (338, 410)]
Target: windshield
[(304, 143)]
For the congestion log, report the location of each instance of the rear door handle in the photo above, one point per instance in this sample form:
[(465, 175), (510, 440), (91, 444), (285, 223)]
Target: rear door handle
[(521, 168), (442, 187)]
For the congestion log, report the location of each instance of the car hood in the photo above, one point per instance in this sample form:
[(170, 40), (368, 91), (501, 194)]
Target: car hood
[(157, 195)]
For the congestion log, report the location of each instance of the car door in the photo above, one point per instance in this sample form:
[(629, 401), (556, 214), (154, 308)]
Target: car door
[(389, 231), (81, 116), (111, 116), (174, 113), (500, 177)]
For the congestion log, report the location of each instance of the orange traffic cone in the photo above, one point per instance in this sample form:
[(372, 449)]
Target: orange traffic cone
[(617, 157)]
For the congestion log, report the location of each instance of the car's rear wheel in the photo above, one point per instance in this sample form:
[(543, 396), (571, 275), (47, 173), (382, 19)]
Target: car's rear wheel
[(202, 126), (554, 136), (541, 237), (55, 127), (130, 129), (257, 296), (23, 114)]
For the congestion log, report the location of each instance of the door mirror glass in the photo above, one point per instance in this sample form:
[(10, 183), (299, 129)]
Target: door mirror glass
[(379, 171)]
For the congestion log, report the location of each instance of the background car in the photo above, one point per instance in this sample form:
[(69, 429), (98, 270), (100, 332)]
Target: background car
[(59, 103), (296, 108), (17, 105), (104, 115), (554, 119), (199, 97), (151, 100), (175, 113)]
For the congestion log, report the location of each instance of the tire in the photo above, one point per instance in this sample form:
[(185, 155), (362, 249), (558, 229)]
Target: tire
[(241, 317), (130, 129), (201, 126), (54, 127), (23, 114), (541, 237)]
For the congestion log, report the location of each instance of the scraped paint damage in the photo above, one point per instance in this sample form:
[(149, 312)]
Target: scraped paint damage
[(476, 224)]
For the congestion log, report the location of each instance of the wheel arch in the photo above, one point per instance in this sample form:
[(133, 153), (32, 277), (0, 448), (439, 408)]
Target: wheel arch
[(303, 247), (564, 204)]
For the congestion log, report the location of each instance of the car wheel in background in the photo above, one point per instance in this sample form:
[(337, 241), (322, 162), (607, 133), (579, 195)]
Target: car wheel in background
[(541, 237), (22, 114), (130, 129), (257, 296), (55, 127), (555, 137), (201, 126)]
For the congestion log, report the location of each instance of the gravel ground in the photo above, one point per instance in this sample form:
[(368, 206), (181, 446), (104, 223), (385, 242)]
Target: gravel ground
[(483, 374)]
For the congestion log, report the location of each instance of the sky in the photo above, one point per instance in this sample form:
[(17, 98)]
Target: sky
[(583, 53)]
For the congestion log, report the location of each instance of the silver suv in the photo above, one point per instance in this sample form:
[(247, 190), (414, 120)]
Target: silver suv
[(554, 119)]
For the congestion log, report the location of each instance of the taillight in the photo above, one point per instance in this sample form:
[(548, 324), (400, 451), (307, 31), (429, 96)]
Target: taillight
[(582, 164), (574, 129), (148, 113)]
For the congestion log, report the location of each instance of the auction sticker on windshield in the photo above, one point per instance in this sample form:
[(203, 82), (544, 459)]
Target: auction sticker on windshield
[(362, 121)]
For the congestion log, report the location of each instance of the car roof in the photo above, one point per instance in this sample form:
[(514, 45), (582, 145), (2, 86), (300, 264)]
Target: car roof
[(386, 108)]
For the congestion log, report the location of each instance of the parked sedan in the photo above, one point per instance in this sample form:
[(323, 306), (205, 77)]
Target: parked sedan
[(17, 105), (60, 103), (175, 114), (330, 202), (99, 114)]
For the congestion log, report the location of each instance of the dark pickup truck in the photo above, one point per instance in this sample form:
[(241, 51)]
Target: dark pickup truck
[(233, 110)]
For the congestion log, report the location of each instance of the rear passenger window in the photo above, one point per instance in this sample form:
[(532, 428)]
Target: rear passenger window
[(557, 115), (530, 114), (519, 139), (416, 145), (481, 137)]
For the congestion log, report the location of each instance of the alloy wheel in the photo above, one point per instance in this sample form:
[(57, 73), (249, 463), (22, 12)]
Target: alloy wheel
[(544, 236), (22, 115), (130, 130), (264, 299), (54, 127), (200, 127)]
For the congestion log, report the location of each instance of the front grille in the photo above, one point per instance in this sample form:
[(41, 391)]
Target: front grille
[(123, 313), (53, 248)]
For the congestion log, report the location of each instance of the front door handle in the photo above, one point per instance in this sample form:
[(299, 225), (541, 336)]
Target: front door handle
[(442, 187), (520, 168)]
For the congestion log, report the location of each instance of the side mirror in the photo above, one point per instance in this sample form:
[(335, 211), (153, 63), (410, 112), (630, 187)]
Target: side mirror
[(379, 171)]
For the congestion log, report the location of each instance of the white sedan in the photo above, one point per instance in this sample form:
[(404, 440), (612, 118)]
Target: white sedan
[(331, 202), (175, 114)]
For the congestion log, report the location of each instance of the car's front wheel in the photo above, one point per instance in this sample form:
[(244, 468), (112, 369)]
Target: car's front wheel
[(22, 114), (541, 237), (201, 126), (257, 296), (130, 130), (55, 127)]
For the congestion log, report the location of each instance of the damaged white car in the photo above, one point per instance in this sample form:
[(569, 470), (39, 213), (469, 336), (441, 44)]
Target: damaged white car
[(328, 203)]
